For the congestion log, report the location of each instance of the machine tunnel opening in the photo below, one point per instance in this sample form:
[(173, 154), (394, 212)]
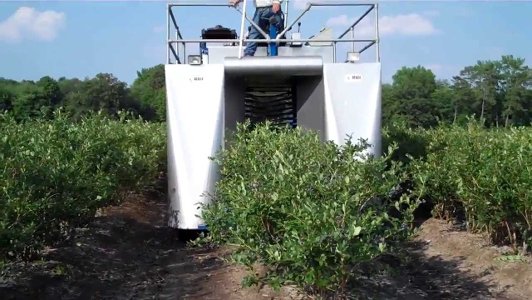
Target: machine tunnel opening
[(283, 100)]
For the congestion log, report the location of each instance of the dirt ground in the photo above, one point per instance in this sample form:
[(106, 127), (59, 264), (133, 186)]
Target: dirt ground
[(128, 253)]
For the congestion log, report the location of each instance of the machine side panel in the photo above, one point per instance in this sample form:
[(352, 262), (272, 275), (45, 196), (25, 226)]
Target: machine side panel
[(234, 108), (353, 103), (310, 104), (195, 98)]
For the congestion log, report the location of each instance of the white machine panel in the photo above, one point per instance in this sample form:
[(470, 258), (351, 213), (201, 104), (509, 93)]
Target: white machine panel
[(195, 129), (353, 103)]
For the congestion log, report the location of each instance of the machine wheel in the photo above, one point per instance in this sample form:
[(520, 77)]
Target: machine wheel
[(186, 235)]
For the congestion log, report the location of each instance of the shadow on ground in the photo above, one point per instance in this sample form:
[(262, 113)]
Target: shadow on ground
[(413, 275), (116, 257), (128, 254)]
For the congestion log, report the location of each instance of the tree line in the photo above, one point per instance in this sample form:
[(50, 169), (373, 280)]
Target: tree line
[(104, 93), (499, 92)]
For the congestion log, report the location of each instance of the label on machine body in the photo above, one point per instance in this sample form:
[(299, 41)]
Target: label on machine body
[(353, 77)]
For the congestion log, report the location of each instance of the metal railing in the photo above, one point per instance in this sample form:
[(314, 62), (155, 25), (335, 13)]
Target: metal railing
[(177, 42)]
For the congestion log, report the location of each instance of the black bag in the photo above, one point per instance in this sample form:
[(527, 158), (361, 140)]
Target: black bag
[(218, 33)]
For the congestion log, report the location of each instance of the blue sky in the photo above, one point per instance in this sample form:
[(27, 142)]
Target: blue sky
[(83, 38)]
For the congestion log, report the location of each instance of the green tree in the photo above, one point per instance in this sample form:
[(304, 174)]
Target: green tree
[(497, 91), (103, 93), (484, 79), (74, 96), (6, 100), (443, 102), (390, 106), (31, 102), (77, 104), (68, 88), (8, 94), (149, 90), (51, 90), (462, 100), (410, 97), (516, 86)]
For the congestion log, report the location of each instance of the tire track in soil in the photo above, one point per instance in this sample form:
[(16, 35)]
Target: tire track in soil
[(121, 255), (128, 253)]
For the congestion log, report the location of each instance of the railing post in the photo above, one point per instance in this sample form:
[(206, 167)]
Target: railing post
[(168, 44), (242, 25), (287, 8), (353, 37), (377, 47)]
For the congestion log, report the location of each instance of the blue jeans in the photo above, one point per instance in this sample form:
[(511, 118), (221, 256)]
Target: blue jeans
[(262, 19)]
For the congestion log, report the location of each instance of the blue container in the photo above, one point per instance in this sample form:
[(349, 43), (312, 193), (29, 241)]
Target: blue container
[(203, 48), (273, 48), (204, 52)]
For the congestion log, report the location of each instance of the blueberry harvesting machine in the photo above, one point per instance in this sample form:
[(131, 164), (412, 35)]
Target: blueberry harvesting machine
[(292, 80)]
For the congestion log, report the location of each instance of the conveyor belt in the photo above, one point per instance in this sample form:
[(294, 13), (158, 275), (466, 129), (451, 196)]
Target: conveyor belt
[(274, 103)]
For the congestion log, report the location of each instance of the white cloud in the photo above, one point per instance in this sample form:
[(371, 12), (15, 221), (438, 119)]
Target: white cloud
[(29, 23), (410, 24), (338, 21)]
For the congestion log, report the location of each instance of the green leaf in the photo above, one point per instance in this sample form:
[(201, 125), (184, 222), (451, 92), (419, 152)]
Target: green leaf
[(357, 230), (275, 196)]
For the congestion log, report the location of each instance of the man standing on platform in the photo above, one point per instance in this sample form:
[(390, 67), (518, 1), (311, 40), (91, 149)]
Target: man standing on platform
[(265, 9)]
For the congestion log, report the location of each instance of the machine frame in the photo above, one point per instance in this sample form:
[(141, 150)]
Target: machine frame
[(305, 85), (176, 42)]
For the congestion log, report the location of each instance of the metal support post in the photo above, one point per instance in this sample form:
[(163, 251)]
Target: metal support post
[(353, 37), (242, 25), (378, 42), (168, 34), (287, 7)]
